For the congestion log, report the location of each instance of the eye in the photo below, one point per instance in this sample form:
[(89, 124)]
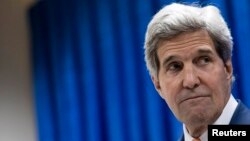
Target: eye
[(175, 66), (204, 60)]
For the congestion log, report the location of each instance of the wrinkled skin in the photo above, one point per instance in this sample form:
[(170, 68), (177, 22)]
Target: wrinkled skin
[(193, 80)]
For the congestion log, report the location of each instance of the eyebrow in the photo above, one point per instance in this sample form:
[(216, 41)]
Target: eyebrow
[(199, 51), (205, 51), (168, 59)]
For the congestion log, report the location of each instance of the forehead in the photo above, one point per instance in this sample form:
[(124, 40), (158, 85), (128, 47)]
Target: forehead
[(185, 43)]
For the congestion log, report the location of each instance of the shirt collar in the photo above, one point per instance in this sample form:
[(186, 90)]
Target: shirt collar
[(224, 118), (228, 111)]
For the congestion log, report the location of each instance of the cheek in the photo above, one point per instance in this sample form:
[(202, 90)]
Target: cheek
[(170, 90), (219, 85)]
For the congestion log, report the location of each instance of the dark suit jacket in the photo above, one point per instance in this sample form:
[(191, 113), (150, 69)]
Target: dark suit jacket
[(240, 116)]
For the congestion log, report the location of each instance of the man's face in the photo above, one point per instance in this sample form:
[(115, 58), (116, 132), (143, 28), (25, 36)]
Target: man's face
[(192, 78)]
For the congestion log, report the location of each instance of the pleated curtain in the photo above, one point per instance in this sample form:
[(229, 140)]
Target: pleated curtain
[(89, 75)]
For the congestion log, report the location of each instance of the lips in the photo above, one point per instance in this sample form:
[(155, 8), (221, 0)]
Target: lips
[(194, 94), (190, 96), (194, 97)]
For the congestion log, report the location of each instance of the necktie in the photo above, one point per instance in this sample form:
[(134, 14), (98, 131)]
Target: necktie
[(196, 139)]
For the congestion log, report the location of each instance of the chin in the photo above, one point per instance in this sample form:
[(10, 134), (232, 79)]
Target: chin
[(197, 119)]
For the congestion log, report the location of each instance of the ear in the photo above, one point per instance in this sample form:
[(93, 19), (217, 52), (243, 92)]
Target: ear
[(229, 69), (157, 84)]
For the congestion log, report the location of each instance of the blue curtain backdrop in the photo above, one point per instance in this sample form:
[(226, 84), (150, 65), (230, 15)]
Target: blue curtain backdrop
[(90, 79)]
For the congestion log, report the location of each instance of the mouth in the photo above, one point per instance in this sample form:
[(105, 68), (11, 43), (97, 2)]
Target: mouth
[(191, 98)]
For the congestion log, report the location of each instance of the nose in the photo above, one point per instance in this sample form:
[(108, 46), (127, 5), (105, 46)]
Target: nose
[(191, 79)]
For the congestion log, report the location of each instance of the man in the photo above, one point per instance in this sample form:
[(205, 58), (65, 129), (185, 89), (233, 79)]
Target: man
[(188, 53)]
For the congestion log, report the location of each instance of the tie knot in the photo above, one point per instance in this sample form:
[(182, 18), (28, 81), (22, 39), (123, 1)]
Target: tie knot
[(196, 139)]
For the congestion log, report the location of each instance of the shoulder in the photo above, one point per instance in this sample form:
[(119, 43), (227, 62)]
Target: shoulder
[(241, 114)]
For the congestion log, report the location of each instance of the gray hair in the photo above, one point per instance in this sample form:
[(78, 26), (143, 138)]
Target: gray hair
[(176, 18)]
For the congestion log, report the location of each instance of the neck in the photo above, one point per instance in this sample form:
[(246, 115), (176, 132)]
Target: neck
[(196, 131)]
